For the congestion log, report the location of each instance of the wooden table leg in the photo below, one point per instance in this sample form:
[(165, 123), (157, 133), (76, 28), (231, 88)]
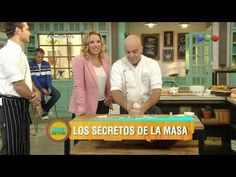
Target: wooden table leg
[(201, 141), (67, 147)]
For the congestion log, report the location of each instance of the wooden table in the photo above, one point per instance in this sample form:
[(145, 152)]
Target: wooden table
[(140, 147), (136, 147)]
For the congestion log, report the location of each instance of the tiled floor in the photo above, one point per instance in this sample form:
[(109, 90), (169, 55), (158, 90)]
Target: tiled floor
[(41, 144)]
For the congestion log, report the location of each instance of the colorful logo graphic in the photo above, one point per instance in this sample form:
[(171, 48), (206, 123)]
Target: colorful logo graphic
[(58, 130)]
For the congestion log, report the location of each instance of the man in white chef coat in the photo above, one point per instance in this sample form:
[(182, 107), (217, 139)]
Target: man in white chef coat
[(136, 80)]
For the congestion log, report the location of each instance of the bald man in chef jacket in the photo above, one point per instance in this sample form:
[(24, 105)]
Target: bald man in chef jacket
[(136, 80)]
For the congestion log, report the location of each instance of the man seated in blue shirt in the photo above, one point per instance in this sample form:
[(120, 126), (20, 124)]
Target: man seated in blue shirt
[(41, 76)]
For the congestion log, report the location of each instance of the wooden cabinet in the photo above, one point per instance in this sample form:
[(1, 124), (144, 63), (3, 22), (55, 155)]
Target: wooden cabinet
[(195, 104)]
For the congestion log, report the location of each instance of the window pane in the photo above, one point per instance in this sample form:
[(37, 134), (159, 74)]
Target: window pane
[(74, 40), (60, 50), (46, 59), (45, 40), (75, 50), (52, 72), (52, 61), (66, 74), (47, 50), (70, 62), (89, 26), (102, 26), (62, 62), (60, 39)]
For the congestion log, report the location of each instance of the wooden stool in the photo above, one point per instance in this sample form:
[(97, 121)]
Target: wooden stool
[(55, 109), (35, 121)]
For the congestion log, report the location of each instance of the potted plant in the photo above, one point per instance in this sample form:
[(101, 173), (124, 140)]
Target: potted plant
[(206, 112)]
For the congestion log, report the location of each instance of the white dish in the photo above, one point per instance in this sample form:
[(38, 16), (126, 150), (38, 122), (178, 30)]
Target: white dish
[(197, 88), (189, 113), (105, 116)]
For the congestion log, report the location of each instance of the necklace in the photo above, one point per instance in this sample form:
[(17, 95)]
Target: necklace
[(96, 62)]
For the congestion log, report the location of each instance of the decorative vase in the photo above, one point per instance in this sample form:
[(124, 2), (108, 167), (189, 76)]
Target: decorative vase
[(207, 115)]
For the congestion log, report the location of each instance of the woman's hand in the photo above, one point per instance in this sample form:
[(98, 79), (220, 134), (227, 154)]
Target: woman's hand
[(82, 114), (108, 102)]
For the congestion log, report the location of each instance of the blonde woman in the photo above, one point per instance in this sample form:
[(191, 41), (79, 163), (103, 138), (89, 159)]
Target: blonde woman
[(91, 75)]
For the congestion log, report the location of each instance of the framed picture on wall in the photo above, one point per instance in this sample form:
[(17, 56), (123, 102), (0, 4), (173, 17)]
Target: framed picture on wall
[(168, 55), (150, 44), (168, 38), (181, 45)]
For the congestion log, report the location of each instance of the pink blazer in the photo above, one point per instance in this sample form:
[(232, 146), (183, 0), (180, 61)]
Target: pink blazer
[(84, 97)]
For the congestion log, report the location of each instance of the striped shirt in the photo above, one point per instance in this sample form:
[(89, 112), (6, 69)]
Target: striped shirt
[(41, 76)]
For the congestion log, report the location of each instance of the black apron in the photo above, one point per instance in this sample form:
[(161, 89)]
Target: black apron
[(17, 121)]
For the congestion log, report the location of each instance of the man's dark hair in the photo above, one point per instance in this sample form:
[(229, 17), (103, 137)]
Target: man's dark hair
[(10, 28), (38, 50)]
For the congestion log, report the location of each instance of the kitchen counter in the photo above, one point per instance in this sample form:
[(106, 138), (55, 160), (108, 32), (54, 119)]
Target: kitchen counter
[(210, 99), (231, 100)]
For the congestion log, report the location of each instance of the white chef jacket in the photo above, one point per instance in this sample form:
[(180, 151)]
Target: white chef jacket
[(136, 82), (14, 67)]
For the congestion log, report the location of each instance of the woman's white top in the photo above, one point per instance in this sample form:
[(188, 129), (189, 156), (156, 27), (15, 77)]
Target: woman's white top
[(101, 81)]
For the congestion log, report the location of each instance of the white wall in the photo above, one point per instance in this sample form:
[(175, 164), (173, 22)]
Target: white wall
[(178, 65), (215, 54)]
